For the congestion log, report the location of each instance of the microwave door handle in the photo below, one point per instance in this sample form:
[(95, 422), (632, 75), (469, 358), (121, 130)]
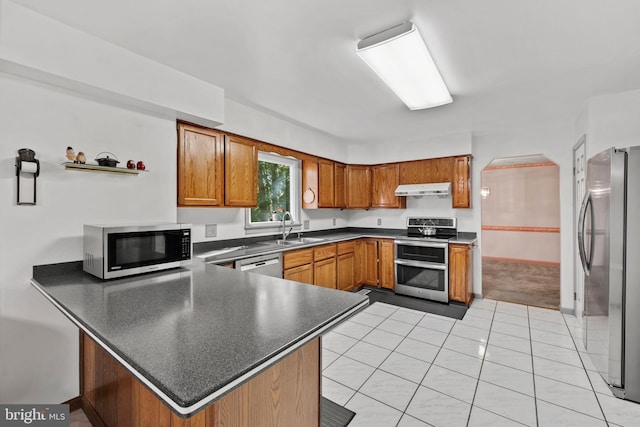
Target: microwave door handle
[(581, 233)]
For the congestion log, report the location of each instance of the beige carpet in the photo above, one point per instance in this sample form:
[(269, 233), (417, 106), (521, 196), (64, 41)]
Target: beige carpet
[(521, 282)]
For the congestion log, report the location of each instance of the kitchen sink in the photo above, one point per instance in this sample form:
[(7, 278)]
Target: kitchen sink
[(294, 242), (310, 239)]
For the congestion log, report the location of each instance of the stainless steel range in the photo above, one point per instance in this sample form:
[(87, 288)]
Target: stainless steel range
[(422, 258)]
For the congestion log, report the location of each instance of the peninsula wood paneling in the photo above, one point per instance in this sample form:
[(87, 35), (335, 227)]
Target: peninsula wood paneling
[(286, 394)]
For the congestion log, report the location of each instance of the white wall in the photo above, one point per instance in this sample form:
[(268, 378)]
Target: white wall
[(38, 345), (613, 121), (392, 151), (556, 143), (253, 123), (40, 48)]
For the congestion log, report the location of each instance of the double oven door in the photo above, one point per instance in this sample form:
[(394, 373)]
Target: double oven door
[(422, 269)]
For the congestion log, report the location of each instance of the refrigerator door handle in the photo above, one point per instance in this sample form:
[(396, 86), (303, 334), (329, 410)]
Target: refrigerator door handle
[(586, 204)]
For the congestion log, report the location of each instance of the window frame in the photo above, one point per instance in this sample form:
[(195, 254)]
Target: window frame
[(295, 199)]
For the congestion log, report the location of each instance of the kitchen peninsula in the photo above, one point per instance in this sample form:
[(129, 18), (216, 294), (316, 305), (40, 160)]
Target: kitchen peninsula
[(203, 345)]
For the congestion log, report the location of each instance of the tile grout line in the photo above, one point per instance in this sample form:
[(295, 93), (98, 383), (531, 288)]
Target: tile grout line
[(604, 416), (474, 396), (403, 412), (484, 355), (533, 372), (426, 373)]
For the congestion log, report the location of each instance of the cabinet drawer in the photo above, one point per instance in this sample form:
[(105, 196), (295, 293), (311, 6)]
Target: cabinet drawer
[(324, 252), (346, 247), (296, 258)]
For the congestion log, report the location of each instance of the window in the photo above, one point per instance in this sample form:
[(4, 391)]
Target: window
[(278, 192)]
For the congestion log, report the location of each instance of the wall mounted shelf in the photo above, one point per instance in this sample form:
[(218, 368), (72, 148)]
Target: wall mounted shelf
[(96, 168)]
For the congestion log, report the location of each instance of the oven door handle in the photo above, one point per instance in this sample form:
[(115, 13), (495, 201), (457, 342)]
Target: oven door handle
[(422, 244), (419, 264)]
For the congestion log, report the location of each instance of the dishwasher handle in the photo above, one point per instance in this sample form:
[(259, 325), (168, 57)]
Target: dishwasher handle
[(254, 265)]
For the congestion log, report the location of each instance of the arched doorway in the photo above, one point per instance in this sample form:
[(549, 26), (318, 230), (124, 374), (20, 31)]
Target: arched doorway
[(521, 231)]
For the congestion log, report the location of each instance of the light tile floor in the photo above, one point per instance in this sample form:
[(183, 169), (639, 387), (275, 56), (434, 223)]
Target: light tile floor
[(504, 364)]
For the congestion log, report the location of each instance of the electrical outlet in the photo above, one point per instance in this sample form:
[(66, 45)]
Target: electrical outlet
[(334, 221), (379, 221), (210, 230), (305, 224)]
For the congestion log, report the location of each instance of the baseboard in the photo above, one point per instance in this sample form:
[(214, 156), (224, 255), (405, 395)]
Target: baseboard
[(569, 311), (74, 404), (478, 296), (92, 415)]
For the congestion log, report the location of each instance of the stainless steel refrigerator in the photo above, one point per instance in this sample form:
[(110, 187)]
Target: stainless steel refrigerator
[(609, 247)]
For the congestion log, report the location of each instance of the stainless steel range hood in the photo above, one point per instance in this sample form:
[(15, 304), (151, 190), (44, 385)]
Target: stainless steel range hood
[(440, 189)]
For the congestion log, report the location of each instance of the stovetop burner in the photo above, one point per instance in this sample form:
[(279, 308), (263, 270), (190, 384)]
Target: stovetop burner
[(435, 229)]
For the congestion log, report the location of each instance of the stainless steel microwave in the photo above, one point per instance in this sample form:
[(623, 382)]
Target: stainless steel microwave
[(124, 250)]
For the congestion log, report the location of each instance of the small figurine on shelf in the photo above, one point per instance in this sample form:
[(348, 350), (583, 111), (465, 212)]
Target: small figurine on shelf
[(81, 158), (71, 155)]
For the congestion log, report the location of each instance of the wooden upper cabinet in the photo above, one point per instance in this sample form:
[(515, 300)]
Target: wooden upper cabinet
[(326, 183), (387, 267), (358, 187), (461, 185), (240, 172), (441, 169), (340, 185), (415, 172), (310, 183), (200, 170), (426, 171), (384, 180)]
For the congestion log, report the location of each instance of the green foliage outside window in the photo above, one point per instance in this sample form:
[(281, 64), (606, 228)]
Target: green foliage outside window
[(274, 185)]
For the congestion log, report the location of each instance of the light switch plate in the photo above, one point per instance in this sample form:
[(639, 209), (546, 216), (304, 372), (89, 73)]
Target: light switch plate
[(305, 224), (379, 221), (210, 230), (334, 221)]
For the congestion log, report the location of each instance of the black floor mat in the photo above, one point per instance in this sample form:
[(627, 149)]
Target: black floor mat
[(453, 310), (334, 415)]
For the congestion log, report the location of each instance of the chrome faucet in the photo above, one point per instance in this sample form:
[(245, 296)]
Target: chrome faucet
[(284, 232)]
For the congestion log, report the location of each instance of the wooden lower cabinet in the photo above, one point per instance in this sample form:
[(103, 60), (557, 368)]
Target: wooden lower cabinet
[(387, 267), (371, 270), (286, 394), (324, 273), (302, 274), (379, 263), (345, 266), (345, 275), (358, 269), (461, 273)]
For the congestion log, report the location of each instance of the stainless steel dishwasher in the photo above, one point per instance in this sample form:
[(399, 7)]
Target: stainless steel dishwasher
[(268, 265)]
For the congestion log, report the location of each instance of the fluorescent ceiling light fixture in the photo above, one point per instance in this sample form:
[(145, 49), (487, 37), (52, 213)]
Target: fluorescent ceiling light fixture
[(401, 59)]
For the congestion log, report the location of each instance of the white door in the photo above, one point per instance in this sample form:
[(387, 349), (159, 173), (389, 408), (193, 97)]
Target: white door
[(579, 188)]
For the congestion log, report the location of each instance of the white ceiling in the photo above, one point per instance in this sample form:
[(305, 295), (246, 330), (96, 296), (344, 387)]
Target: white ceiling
[(509, 64)]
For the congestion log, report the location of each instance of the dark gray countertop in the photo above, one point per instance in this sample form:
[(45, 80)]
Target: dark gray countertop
[(245, 248), (193, 334)]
